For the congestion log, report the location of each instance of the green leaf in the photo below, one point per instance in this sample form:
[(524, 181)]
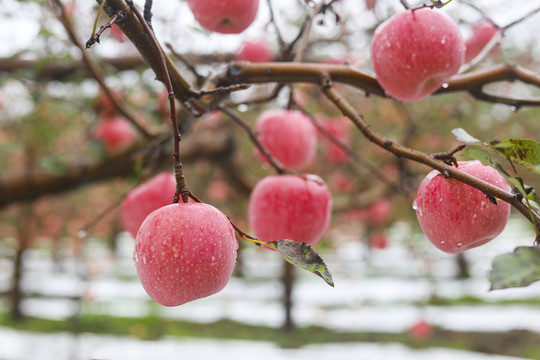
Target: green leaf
[(479, 154), (463, 136), (52, 165), (524, 152), (518, 269), (302, 255)]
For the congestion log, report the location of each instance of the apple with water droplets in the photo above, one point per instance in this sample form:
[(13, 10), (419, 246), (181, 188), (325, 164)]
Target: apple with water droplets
[(185, 252), (415, 52), (289, 136), (455, 216), (224, 16), (145, 198), (290, 207)]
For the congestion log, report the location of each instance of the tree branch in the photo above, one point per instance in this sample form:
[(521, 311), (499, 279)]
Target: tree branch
[(28, 184)]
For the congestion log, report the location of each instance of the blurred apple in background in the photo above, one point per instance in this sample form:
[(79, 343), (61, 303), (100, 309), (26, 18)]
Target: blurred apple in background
[(145, 198), (224, 16), (116, 133), (255, 50), (483, 32)]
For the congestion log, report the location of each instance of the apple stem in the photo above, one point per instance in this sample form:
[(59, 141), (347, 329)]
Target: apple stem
[(182, 190), (401, 151)]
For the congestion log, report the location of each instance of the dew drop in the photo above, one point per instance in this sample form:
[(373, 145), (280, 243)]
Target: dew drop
[(135, 257), (445, 85), (459, 244), (243, 108), (82, 234), (414, 205), (513, 108), (443, 242)]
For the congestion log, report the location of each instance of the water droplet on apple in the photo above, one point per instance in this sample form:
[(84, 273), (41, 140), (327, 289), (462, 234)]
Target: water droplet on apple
[(414, 205), (443, 242), (459, 244), (135, 257)]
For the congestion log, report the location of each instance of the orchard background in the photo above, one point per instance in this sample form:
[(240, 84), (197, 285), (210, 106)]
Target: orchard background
[(67, 276)]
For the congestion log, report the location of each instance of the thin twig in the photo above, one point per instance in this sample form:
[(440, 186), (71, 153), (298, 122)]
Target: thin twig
[(448, 171), (182, 190), (97, 73)]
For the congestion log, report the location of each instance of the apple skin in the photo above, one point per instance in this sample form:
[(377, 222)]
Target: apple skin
[(455, 216), (289, 136), (224, 16), (116, 133), (145, 198), (414, 53), (255, 50), (290, 207), (185, 252), (483, 31)]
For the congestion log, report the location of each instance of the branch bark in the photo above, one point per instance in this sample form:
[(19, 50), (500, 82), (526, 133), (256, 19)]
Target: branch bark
[(24, 185)]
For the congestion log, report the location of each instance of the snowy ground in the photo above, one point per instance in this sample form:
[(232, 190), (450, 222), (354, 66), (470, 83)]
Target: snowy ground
[(377, 293)]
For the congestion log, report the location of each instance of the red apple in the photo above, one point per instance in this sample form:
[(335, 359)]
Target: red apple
[(255, 50), (224, 16), (116, 133), (145, 198), (378, 240), (455, 216), (337, 128), (421, 330), (117, 34), (184, 252), (218, 190), (104, 105), (415, 52), (483, 32), (379, 212), (290, 207), (289, 136), (341, 182)]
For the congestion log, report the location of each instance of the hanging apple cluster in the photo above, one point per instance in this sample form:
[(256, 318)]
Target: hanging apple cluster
[(188, 250)]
